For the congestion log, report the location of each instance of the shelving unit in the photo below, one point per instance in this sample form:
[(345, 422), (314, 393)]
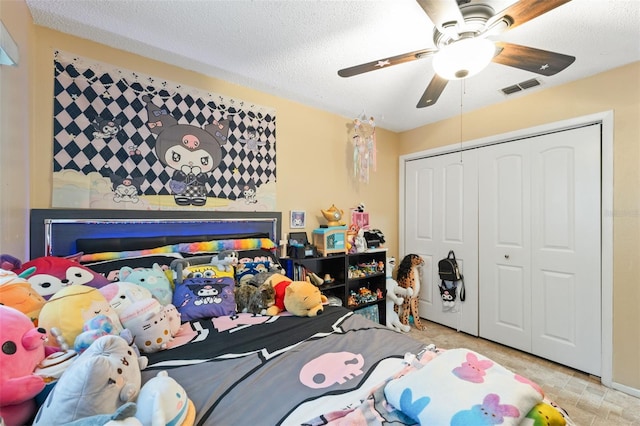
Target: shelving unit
[(344, 271)]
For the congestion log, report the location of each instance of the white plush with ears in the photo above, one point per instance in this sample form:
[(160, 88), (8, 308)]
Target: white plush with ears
[(103, 378), (162, 401), (148, 322), (395, 296)]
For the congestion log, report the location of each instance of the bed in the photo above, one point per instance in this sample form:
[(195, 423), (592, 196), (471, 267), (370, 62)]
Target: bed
[(335, 368)]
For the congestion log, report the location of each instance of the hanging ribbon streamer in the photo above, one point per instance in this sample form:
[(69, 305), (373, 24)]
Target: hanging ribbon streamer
[(364, 148)]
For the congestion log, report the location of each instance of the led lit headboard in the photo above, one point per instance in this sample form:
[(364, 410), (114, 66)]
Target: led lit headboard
[(55, 231)]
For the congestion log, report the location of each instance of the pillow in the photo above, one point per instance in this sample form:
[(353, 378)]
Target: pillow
[(206, 296), (111, 268), (214, 246), (461, 387), (245, 271)]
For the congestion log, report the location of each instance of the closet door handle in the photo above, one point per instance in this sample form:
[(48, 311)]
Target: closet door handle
[(506, 256)]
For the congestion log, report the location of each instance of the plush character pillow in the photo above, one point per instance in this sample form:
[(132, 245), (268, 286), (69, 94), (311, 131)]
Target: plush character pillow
[(162, 401), (121, 294), (18, 293), (304, 299), (22, 349), (70, 308), (153, 279), (149, 324), (54, 273), (202, 297), (99, 381)]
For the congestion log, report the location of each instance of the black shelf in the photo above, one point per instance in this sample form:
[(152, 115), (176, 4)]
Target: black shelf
[(338, 265)]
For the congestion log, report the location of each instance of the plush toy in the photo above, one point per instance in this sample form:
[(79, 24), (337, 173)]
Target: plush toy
[(121, 294), (9, 263), (124, 416), (153, 279), (54, 273), (304, 299), (149, 324), (279, 283), (162, 401), (16, 292), (22, 349), (70, 308), (225, 260), (395, 296), (99, 381), (174, 317)]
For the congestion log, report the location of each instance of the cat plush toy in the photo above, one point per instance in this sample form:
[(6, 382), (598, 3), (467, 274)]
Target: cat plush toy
[(153, 279)]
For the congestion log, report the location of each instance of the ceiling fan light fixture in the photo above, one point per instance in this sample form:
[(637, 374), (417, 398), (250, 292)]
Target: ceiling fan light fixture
[(463, 58)]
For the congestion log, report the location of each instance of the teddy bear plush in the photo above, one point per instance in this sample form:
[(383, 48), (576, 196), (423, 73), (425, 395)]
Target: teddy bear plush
[(22, 349), (162, 401), (101, 379), (54, 273), (16, 292), (304, 299), (70, 308)]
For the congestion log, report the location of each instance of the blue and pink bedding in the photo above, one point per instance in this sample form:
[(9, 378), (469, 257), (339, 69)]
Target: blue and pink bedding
[(337, 368)]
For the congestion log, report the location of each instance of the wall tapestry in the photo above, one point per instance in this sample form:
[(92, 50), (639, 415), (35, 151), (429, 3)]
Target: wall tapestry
[(130, 141)]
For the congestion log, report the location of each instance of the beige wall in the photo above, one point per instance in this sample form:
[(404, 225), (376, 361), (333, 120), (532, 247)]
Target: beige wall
[(314, 153), (15, 133), (617, 90)]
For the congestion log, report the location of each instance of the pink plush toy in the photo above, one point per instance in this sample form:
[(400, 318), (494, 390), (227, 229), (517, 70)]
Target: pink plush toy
[(54, 273), (22, 349)]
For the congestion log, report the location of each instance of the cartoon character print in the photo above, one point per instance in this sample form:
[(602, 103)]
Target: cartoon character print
[(207, 293), (490, 412), (249, 193), (192, 152), (473, 370), (105, 128)]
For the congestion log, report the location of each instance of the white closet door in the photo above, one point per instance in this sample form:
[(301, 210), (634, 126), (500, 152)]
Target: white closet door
[(441, 214), (539, 244), (504, 244), (566, 322)]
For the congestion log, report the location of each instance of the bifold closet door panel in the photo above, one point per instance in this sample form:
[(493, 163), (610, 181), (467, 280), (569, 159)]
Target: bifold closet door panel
[(566, 248), (504, 197), (441, 214)]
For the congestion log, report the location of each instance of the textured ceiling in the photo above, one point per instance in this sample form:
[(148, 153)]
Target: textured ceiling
[(293, 49)]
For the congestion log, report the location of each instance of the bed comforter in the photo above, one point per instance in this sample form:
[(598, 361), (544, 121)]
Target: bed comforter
[(286, 370)]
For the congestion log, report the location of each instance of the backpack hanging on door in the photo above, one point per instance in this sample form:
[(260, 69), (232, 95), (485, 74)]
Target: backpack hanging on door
[(450, 275)]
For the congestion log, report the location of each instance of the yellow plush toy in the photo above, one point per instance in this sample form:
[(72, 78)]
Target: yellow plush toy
[(304, 299), (69, 308), (301, 298)]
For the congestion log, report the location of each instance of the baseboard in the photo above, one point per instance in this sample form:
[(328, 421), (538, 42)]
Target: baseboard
[(626, 389)]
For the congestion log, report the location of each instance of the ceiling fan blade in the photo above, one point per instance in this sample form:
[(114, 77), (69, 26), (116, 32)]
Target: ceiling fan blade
[(524, 11), (529, 59), (443, 13), (383, 63), (431, 95)]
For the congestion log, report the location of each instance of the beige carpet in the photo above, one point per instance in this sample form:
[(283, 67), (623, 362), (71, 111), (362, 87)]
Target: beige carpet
[(588, 402)]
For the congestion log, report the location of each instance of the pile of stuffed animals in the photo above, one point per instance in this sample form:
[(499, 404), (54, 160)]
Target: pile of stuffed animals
[(73, 343)]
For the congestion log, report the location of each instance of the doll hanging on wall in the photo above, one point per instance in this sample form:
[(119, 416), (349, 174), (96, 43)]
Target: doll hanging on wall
[(364, 148)]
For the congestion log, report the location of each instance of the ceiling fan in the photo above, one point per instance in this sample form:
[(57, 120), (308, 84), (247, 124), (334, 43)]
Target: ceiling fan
[(463, 49)]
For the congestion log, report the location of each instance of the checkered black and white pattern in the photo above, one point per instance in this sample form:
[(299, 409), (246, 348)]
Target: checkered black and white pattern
[(86, 92)]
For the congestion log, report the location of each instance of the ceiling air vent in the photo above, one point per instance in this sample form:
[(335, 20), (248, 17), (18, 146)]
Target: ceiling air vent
[(527, 84)]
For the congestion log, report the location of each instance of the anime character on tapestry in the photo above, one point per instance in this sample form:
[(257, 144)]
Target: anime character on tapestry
[(122, 140)]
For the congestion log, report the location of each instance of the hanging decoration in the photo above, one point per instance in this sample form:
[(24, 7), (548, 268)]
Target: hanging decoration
[(130, 141), (364, 148)]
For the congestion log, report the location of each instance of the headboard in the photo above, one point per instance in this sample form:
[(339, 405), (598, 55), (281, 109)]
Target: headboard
[(57, 231)]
